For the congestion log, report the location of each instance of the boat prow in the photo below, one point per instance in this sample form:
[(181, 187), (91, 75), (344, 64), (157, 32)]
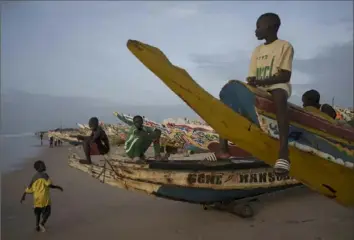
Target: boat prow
[(327, 177)]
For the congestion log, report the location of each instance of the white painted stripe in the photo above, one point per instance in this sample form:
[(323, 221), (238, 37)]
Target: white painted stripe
[(131, 145)]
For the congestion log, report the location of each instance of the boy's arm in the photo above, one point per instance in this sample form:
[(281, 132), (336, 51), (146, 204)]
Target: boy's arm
[(252, 71), (56, 187), (27, 190), (96, 135), (50, 184), (284, 68), (23, 197)]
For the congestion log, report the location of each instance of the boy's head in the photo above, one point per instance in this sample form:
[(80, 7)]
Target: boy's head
[(267, 25), (329, 110), (39, 166), (138, 121), (93, 123), (311, 98)]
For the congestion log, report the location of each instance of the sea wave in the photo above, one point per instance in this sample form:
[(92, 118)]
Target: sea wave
[(17, 135)]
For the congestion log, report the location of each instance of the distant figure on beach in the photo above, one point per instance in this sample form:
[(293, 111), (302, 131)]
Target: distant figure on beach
[(41, 137), (139, 140), (39, 187), (51, 140), (95, 144), (55, 142)]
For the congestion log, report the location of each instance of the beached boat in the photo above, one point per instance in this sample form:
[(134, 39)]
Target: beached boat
[(169, 136), (66, 137), (346, 114), (191, 137), (321, 152), (192, 181)]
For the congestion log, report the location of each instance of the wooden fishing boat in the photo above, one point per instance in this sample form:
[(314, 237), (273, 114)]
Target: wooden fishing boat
[(321, 152), (194, 149), (308, 132), (66, 137), (169, 136), (193, 181)]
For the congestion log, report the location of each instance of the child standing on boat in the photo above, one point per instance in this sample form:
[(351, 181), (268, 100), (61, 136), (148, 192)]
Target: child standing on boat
[(270, 70), (39, 187)]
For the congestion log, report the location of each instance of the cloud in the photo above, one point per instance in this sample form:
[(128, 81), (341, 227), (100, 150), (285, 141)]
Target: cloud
[(79, 48), (331, 72), (173, 9)]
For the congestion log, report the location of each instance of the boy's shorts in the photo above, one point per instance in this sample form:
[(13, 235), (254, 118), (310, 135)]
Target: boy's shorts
[(42, 210), (285, 86)]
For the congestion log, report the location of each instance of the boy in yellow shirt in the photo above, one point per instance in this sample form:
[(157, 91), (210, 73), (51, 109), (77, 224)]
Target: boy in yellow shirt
[(39, 187), (270, 70)]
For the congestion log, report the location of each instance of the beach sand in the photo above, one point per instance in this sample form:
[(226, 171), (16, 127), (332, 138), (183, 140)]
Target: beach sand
[(89, 209)]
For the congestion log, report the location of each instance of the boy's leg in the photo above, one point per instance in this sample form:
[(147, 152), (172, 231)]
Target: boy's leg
[(138, 147), (37, 213), (224, 147), (87, 150), (280, 98), (102, 149), (46, 213)]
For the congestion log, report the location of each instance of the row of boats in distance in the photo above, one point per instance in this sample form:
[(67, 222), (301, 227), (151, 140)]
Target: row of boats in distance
[(187, 176)]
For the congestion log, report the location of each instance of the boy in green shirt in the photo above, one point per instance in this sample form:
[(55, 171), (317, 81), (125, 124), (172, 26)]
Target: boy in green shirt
[(139, 140)]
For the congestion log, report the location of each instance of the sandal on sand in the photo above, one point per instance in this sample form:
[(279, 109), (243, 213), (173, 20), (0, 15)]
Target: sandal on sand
[(282, 167)]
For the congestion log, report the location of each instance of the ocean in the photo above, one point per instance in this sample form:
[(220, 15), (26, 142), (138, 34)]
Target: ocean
[(15, 149)]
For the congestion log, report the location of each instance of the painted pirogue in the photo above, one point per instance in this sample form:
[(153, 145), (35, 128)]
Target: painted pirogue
[(116, 134), (193, 181), (321, 151), (169, 137), (190, 136), (190, 179)]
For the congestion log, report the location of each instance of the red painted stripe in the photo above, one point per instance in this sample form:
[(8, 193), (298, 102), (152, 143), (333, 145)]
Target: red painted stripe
[(307, 119)]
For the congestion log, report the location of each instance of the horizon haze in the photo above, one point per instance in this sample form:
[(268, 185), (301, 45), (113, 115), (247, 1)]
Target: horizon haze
[(63, 62)]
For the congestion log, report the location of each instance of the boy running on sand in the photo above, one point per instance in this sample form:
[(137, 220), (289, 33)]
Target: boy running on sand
[(39, 187), (270, 70)]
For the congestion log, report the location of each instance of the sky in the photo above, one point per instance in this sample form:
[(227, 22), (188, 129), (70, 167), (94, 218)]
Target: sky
[(79, 48)]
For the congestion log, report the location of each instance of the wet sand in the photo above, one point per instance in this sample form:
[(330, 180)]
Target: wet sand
[(89, 209)]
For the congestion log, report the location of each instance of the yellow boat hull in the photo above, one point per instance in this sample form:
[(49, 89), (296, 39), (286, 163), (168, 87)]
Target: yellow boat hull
[(328, 178)]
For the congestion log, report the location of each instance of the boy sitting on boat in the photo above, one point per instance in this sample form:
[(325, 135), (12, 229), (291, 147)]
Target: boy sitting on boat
[(139, 140), (270, 70), (311, 103), (95, 144)]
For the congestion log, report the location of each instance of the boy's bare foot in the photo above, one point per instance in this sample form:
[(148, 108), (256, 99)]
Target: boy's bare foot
[(84, 162), (42, 228), (139, 160)]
